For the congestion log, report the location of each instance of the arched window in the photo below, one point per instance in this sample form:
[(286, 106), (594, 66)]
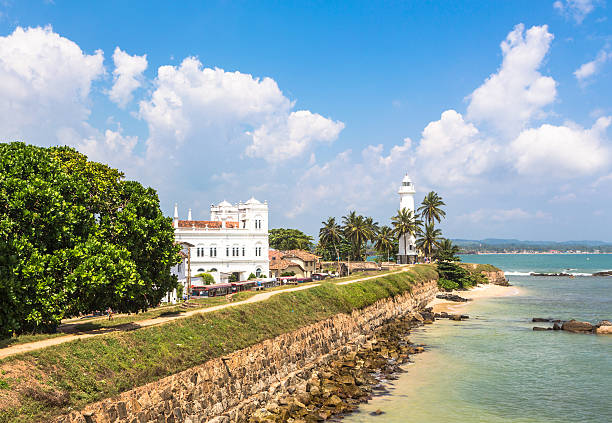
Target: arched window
[(213, 270), (258, 272), (200, 270)]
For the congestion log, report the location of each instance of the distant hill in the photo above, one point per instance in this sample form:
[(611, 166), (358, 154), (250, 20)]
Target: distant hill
[(502, 244)]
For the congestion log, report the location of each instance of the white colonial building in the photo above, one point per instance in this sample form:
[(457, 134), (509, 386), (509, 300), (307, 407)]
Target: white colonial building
[(407, 247), (233, 242)]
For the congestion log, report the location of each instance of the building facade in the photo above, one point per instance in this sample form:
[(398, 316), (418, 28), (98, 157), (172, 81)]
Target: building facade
[(407, 243), (302, 263), (234, 242)]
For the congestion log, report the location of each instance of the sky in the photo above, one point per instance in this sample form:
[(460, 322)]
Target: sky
[(319, 108)]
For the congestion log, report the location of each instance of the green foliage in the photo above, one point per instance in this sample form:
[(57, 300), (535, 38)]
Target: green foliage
[(429, 239), (358, 230), (233, 278), (252, 276), (207, 278), (431, 208), (289, 239), (447, 251), (457, 274), (447, 285), (134, 358), (292, 273), (179, 291), (76, 237)]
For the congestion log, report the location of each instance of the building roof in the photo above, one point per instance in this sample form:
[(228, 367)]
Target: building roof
[(252, 200), (225, 203), (207, 224), (301, 254), (280, 264)]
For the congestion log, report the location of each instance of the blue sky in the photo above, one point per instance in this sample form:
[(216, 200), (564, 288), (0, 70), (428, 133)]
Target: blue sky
[(503, 108)]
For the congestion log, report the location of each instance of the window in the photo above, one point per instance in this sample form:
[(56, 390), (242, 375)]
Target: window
[(235, 251), (200, 270), (243, 251), (258, 251), (227, 251), (213, 251), (258, 272)]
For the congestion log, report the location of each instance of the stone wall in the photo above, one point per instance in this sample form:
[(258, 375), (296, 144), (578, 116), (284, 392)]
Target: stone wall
[(229, 388)]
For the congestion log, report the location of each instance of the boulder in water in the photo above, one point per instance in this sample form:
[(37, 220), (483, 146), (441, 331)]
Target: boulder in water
[(540, 320), (576, 326)]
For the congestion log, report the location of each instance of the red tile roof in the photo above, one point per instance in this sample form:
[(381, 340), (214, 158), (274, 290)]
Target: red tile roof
[(210, 224), (301, 254), (280, 264)]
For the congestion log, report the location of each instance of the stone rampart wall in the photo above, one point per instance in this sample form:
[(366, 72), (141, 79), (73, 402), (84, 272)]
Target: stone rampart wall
[(229, 388)]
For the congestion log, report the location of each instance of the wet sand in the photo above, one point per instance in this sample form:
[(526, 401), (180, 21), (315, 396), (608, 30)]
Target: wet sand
[(480, 291)]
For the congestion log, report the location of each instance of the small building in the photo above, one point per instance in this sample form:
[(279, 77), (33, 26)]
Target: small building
[(301, 262), (407, 243)]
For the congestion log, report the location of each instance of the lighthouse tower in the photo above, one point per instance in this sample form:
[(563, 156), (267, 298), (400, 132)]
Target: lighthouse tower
[(407, 246)]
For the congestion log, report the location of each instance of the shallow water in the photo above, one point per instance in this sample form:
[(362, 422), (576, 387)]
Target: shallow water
[(495, 368)]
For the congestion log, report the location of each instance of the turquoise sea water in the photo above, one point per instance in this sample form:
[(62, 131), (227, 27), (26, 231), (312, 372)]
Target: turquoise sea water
[(495, 368)]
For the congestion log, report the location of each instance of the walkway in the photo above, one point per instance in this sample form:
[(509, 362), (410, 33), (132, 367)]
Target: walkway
[(37, 345)]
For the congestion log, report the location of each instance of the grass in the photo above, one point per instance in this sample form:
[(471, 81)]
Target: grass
[(478, 268), (88, 370)]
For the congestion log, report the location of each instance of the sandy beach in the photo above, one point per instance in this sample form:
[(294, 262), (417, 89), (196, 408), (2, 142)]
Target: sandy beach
[(479, 291)]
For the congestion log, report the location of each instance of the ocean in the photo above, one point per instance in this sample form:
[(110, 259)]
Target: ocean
[(495, 368)]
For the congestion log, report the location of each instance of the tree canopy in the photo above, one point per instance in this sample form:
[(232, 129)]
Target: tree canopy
[(289, 239), (75, 236)]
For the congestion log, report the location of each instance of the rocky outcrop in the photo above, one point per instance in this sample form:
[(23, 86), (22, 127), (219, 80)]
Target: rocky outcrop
[(234, 387), (604, 327), (576, 326), (606, 273), (497, 277), (453, 297)]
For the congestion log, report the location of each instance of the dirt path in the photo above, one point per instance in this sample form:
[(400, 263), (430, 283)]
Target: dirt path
[(32, 346)]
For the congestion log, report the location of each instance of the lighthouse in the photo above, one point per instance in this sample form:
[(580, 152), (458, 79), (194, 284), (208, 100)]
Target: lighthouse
[(407, 246)]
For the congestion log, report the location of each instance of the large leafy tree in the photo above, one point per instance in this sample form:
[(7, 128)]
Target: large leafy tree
[(405, 224), (76, 237), (289, 239), (431, 208)]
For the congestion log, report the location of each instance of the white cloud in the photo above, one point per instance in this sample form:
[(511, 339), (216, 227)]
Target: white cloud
[(220, 108), (517, 93), (451, 151), (114, 148), (501, 215), (289, 137), (563, 151), (576, 9), (591, 68), (127, 76), (45, 80)]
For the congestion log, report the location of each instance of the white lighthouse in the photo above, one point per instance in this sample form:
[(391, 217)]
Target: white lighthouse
[(407, 247)]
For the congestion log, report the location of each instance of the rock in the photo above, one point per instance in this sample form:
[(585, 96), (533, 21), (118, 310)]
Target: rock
[(377, 412), (576, 326), (456, 317), (540, 319), (452, 297), (464, 316), (604, 323), (537, 328), (606, 273), (604, 330), (556, 326)]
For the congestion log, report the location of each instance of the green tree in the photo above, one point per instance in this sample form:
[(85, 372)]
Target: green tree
[(331, 234), (405, 224), (76, 237), (357, 230), (453, 276), (447, 251), (289, 239), (431, 208), (252, 276), (428, 239), (385, 240), (207, 278)]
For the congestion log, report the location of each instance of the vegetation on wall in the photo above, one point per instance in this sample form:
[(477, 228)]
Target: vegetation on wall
[(76, 237)]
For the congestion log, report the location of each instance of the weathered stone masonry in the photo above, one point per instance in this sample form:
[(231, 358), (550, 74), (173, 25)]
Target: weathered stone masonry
[(228, 388)]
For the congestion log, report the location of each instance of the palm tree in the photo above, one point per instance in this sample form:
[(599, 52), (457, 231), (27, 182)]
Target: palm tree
[(385, 240), (356, 230), (447, 251), (405, 224), (331, 233), (429, 239), (431, 208)]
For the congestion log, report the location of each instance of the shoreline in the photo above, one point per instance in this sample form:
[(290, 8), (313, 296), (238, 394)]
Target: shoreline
[(474, 294)]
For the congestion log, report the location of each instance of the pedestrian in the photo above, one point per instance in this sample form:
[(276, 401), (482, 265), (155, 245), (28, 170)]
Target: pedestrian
[(109, 311)]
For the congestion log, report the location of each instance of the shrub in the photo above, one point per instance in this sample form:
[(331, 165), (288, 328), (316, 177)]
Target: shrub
[(447, 285), (292, 273), (207, 278), (252, 276), (456, 274)]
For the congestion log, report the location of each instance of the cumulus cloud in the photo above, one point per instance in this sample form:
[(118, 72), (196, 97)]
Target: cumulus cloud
[(563, 151), (517, 92), (190, 100), (127, 76), (451, 150), (45, 80), (576, 9), (589, 69)]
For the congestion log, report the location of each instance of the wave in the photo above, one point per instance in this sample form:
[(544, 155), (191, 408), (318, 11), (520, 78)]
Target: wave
[(510, 273), (551, 273)]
